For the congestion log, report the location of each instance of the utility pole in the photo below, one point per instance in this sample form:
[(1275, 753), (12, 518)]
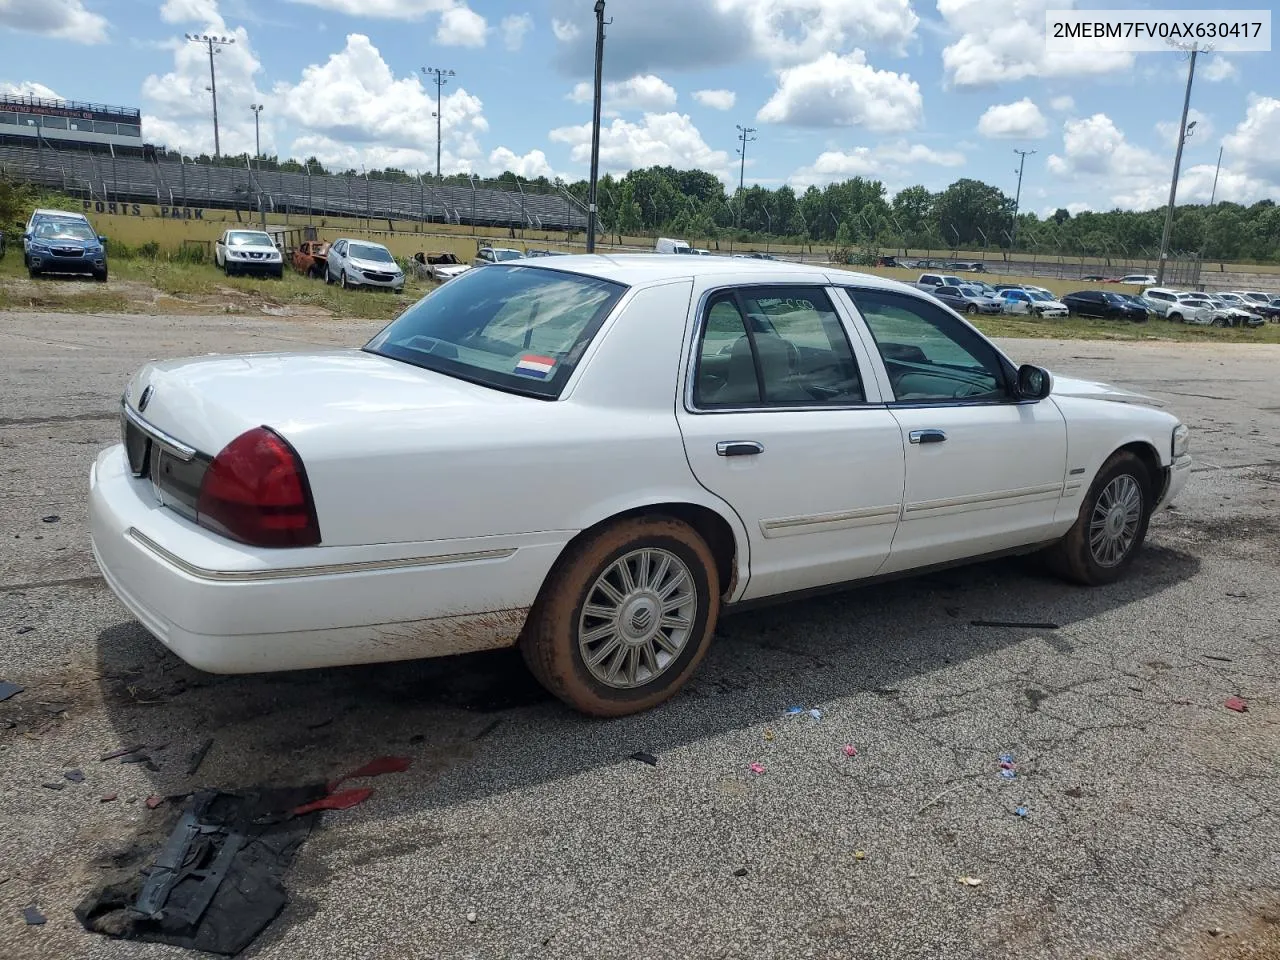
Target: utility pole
[(212, 43), (257, 139), (744, 135), (595, 130), (440, 74), (1183, 133), (1216, 170), (1017, 197)]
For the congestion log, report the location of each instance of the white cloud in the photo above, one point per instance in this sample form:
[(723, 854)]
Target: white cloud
[(890, 158), (1219, 68), (1096, 154), (177, 105), (794, 31), (660, 138), (384, 9), (844, 91), (460, 26), (513, 30), (60, 19), (1167, 130), (565, 30), (1064, 104), (647, 94), (1005, 41), (28, 88), (716, 99), (531, 166), (185, 11), (1020, 120), (353, 109), (1253, 143)]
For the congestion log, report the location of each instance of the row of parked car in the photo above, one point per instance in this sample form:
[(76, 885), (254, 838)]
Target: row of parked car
[(1249, 308)]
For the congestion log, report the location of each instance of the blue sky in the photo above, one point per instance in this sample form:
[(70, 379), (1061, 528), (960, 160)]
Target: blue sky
[(907, 91)]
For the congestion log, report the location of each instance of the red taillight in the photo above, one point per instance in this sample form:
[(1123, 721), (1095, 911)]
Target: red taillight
[(256, 491)]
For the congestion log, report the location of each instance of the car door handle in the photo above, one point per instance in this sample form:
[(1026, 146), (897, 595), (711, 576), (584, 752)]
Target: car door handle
[(739, 448), (927, 436)]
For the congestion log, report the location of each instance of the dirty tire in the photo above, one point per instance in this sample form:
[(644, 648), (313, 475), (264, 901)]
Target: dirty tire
[(972, 309), (549, 642), (1071, 557)]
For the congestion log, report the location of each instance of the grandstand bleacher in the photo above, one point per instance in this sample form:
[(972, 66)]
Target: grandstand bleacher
[(120, 179)]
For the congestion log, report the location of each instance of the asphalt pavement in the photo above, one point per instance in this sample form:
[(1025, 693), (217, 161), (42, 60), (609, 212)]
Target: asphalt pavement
[(523, 830)]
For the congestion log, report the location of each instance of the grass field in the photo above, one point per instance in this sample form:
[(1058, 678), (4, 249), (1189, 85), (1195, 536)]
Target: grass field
[(158, 287)]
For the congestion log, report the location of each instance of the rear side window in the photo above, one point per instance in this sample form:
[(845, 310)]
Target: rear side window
[(515, 328)]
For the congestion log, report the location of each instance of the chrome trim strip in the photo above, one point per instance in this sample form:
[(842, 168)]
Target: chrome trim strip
[(982, 501), (320, 570), (824, 522), (1077, 471), (172, 444)]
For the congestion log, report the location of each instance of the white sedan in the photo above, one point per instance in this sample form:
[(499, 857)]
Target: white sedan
[(590, 457), (1034, 303), (363, 263)]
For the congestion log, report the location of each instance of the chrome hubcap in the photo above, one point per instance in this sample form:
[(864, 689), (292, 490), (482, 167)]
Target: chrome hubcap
[(638, 618), (1113, 527)]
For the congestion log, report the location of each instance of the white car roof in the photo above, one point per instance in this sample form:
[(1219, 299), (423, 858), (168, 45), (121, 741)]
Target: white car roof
[(639, 269)]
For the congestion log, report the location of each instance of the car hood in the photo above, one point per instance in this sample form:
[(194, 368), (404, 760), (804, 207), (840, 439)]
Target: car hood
[(451, 268), (377, 266), (1095, 390), (1051, 304), (310, 399)]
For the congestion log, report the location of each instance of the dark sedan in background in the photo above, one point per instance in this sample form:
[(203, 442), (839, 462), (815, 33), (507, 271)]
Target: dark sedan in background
[(1106, 306)]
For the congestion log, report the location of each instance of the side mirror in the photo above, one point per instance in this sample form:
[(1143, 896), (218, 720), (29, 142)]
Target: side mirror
[(102, 240), (1034, 383), (26, 236)]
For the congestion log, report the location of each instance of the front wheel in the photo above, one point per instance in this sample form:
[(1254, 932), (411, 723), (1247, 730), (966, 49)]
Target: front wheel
[(972, 309), (1110, 527), (342, 282), (625, 618)]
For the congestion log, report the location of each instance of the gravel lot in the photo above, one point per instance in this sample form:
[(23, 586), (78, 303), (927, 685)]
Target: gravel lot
[(1151, 809)]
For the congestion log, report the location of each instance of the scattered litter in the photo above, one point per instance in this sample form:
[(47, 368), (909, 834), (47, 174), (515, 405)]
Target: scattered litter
[(1014, 623), (859, 854), (154, 801), (8, 690), (969, 881), (1007, 769), (951, 789), (336, 801), (374, 768), (52, 518), (1022, 811), (122, 752), (54, 785), (107, 798), (135, 758), (21, 630), (33, 916), (850, 750), (75, 776), (197, 758), (794, 711), (1236, 704), (815, 713), (1210, 656), (768, 734), (643, 757), (471, 916), (740, 872), (1216, 931), (757, 768), (1238, 596)]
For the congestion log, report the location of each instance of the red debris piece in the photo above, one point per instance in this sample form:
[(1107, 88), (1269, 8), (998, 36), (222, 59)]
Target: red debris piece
[(336, 801), (850, 750), (154, 801), (1238, 705), (374, 768)]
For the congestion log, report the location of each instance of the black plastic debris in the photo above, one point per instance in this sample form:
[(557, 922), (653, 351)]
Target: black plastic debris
[(21, 630), (643, 757), (52, 518), (135, 758), (740, 872), (33, 916), (122, 752), (75, 776), (1014, 624), (216, 882), (8, 690), (54, 785), (197, 758)]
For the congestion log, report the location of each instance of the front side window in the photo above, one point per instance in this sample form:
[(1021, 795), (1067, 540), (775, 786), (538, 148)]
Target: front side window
[(774, 346), (929, 354), (515, 328)]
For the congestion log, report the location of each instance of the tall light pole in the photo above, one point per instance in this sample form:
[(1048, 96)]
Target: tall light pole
[(1216, 170), (440, 74), (595, 130), (214, 44), (1183, 132), (744, 135), (257, 140), (1017, 197)]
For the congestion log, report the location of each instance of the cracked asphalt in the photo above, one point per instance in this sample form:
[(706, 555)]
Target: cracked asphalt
[(1151, 813)]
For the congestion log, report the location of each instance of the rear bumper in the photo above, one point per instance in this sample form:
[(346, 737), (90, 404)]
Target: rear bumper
[(227, 608)]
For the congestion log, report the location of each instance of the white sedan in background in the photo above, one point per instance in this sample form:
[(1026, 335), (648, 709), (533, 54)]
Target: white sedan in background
[(589, 457), (1033, 303), (363, 263)]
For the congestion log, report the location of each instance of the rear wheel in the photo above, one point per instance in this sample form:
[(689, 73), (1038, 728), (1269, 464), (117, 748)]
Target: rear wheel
[(1110, 527), (625, 618), (972, 309)]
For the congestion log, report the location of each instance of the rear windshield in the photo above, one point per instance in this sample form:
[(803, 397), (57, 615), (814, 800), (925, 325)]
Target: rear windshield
[(517, 328)]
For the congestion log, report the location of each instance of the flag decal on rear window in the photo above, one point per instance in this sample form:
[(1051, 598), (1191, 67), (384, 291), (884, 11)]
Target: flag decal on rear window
[(533, 366)]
